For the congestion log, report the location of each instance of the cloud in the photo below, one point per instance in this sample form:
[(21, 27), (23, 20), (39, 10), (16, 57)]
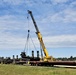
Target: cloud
[(7, 42), (19, 2), (60, 41), (13, 31), (13, 2), (58, 1), (66, 15), (17, 23), (32, 2), (11, 42), (10, 24)]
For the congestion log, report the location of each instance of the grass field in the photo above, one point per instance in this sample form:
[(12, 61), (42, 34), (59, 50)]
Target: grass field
[(29, 70)]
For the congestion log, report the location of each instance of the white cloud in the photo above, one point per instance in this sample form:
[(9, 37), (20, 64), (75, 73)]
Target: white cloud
[(9, 42), (32, 2), (73, 4), (13, 42), (58, 1), (10, 22), (70, 16), (18, 2), (14, 2), (61, 41), (65, 16)]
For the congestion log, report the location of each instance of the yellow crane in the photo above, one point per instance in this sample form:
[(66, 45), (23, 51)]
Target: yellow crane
[(47, 57)]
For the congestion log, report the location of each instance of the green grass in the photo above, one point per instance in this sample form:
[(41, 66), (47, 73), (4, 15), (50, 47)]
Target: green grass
[(28, 70)]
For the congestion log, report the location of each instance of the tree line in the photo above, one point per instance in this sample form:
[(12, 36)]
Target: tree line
[(71, 58)]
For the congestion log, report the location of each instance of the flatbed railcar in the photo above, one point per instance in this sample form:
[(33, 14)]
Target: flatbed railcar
[(52, 63)]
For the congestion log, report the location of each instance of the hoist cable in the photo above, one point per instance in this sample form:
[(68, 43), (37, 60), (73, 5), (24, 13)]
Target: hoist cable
[(33, 43), (27, 44)]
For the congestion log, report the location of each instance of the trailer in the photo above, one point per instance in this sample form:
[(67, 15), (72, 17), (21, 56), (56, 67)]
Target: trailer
[(52, 63)]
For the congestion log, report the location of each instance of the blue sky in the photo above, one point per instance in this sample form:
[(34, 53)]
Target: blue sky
[(56, 20)]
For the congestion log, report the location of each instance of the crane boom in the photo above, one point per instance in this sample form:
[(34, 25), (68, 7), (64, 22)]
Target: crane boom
[(39, 37), (30, 12)]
